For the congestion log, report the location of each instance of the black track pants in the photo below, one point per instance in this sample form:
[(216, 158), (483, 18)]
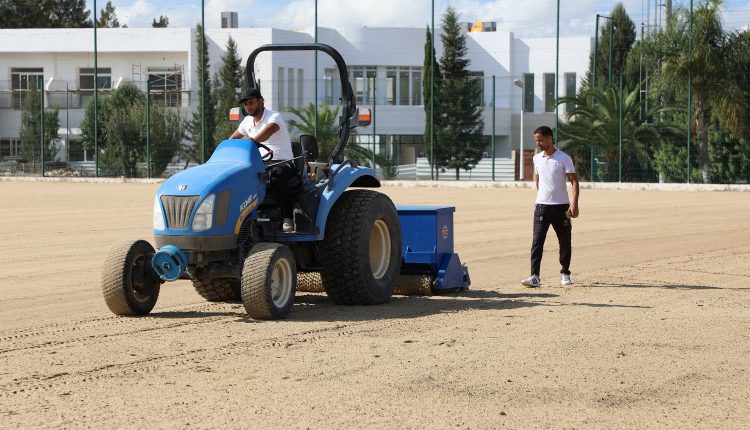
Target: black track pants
[(284, 182), (544, 215)]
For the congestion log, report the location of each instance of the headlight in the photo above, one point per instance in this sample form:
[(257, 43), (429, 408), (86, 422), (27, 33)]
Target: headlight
[(204, 217), (158, 217)]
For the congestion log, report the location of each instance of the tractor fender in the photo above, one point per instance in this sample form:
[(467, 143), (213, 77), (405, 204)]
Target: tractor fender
[(346, 176)]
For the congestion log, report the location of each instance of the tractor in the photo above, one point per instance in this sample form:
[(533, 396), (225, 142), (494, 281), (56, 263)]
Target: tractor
[(219, 225)]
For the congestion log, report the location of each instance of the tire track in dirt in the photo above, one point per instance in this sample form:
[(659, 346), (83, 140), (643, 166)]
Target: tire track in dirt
[(64, 329), (153, 364)]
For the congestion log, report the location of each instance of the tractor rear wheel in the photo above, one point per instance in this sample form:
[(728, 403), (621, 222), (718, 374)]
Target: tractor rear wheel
[(219, 290), (362, 249), (129, 283), (269, 281)]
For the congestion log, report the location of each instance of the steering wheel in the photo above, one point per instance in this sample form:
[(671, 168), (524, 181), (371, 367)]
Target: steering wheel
[(269, 153)]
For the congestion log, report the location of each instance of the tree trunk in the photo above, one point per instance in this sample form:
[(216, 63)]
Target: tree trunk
[(702, 115)]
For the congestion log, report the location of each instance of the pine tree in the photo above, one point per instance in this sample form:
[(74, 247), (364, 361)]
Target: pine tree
[(623, 38), (227, 83), (195, 128), (30, 128), (162, 23), (461, 124), (429, 61), (68, 14), (44, 14), (108, 17)]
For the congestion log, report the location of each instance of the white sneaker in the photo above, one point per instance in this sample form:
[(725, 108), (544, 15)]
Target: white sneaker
[(288, 225), (565, 280), (531, 282)]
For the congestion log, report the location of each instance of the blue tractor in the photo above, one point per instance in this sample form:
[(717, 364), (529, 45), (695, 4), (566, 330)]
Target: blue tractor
[(219, 225)]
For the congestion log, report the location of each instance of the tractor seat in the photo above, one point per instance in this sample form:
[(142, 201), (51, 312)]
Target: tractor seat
[(299, 163)]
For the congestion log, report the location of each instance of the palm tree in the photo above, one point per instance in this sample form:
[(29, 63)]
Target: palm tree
[(717, 97), (594, 122), (328, 132)]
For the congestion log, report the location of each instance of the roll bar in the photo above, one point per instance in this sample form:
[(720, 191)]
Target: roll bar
[(347, 95)]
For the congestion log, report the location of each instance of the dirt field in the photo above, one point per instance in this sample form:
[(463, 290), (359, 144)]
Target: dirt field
[(655, 333)]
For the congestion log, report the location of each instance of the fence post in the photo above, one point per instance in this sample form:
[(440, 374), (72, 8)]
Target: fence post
[(374, 97), (148, 129), (620, 136), (41, 122), (493, 127)]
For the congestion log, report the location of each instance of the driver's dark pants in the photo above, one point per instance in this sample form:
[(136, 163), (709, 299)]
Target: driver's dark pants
[(544, 215), (284, 183)]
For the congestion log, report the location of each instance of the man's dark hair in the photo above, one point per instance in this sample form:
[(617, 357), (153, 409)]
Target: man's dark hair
[(544, 131), (250, 93)]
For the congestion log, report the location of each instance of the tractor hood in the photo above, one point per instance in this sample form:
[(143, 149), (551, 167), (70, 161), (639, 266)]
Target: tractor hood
[(214, 198)]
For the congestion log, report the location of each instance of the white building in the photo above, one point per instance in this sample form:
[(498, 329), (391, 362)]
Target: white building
[(167, 57)]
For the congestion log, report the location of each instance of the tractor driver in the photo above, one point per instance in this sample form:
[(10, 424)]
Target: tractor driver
[(265, 126)]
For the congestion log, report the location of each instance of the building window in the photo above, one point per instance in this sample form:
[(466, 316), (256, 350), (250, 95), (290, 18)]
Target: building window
[(403, 86), (290, 87), (528, 92), (280, 93), (363, 83), (477, 79), (332, 86), (86, 82), (570, 89), (300, 87), (166, 86), (22, 80), (416, 87), (10, 149), (549, 92), (390, 86)]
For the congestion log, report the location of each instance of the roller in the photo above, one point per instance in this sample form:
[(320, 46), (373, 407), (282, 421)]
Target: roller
[(414, 285), (406, 285), (309, 282)]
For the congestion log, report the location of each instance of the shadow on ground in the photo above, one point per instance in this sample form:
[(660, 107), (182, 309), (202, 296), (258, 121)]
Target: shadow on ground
[(663, 286), (318, 307)]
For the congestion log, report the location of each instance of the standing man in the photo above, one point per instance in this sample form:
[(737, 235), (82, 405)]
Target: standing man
[(552, 169), (265, 126)]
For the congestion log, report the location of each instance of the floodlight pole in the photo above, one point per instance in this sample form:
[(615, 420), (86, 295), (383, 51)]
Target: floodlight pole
[(557, 76), (96, 103), (690, 91), (432, 96), (203, 82), (315, 85), (520, 84)]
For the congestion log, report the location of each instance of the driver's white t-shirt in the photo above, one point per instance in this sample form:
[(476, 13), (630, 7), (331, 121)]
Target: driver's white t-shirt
[(278, 142)]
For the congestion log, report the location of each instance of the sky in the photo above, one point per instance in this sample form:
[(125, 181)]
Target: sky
[(526, 18)]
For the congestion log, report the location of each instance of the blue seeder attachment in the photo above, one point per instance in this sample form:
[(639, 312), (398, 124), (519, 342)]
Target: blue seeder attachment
[(427, 236), (169, 263)]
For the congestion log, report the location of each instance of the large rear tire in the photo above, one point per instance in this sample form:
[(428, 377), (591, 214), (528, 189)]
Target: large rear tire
[(362, 249), (129, 283), (219, 290), (269, 281)]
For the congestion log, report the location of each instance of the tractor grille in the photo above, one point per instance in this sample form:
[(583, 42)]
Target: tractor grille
[(177, 210)]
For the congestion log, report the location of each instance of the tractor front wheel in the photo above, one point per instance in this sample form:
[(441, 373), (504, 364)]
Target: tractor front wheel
[(129, 283), (269, 281), (362, 249)]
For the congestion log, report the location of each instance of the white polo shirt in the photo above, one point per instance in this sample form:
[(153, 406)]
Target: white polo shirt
[(553, 180), (278, 142)]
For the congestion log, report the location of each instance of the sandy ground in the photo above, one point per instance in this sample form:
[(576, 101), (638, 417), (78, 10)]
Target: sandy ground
[(655, 333)]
